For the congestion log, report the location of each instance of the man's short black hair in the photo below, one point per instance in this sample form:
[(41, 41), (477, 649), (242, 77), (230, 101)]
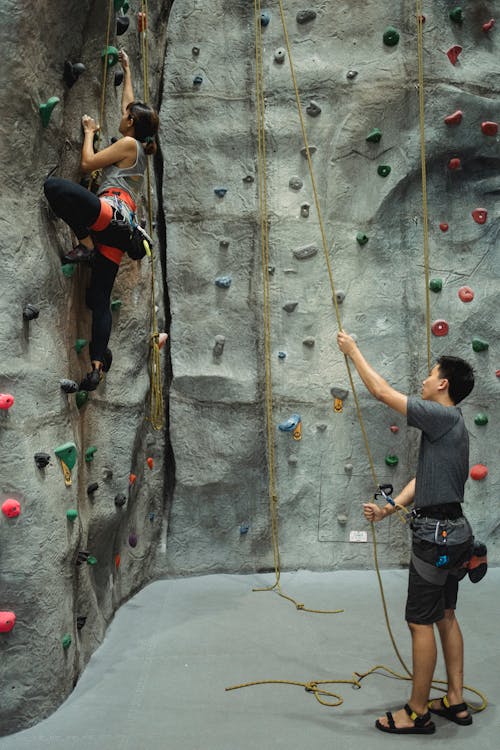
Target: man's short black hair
[(459, 374)]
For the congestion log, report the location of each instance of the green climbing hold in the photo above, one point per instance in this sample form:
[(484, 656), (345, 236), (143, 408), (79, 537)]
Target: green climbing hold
[(112, 56), (80, 344), (383, 170), (118, 4), (479, 345), (391, 36), (81, 398), (67, 453), (361, 238), (89, 453), (391, 460), (46, 109), (66, 641), (374, 135), (457, 15), (71, 514), (68, 269), (435, 285), (116, 304), (91, 560), (481, 419)]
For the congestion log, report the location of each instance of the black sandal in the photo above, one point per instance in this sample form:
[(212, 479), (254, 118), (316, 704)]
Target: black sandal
[(450, 712), (421, 724)]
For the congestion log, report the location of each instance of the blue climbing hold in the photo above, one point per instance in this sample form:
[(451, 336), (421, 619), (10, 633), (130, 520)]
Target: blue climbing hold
[(244, 528), (265, 18), (281, 355), (220, 192), (290, 424), (224, 282)]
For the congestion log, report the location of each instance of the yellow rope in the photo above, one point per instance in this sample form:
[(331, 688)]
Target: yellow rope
[(93, 176)]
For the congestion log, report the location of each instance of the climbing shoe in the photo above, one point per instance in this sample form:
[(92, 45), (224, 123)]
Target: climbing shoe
[(478, 564), (79, 254), (91, 380), (107, 360)]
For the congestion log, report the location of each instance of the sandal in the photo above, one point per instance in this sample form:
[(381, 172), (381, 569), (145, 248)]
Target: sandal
[(79, 254), (450, 712), (421, 724)]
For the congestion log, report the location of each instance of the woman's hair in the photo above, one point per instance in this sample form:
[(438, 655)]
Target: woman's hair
[(146, 123)]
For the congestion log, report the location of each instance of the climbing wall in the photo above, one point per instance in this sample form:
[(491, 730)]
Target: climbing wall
[(69, 553), (357, 74)]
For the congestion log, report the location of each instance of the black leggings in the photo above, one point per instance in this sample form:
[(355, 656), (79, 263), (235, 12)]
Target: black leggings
[(80, 208)]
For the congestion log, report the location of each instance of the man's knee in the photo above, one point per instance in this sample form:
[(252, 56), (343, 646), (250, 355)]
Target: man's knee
[(419, 627)]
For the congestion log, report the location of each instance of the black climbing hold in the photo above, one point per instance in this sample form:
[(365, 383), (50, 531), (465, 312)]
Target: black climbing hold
[(313, 109), (340, 296), (114, 139), (72, 72), (289, 307), (308, 251), (82, 556), (391, 36), (92, 488), (265, 18), (304, 16), (312, 150), (340, 393), (120, 500), (197, 80), (195, 51), (279, 55), (118, 80), (249, 178), (223, 282), (80, 622), (30, 312), (295, 183), (122, 24), (219, 342), (220, 192), (68, 386), (42, 460), (351, 74)]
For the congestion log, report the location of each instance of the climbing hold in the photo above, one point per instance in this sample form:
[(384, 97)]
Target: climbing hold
[(279, 55), (80, 344), (219, 342), (304, 16), (383, 170), (11, 508), (132, 539), (391, 36), (497, 373), (391, 460), (46, 109), (297, 433), (348, 468), (116, 304), (281, 355), (361, 238), (7, 621), (435, 285), (480, 215), (106, 473), (162, 339), (111, 55), (132, 478), (224, 282), (142, 22), (118, 560), (338, 405), (489, 128), (454, 163), (321, 427), (479, 345), (71, 514), (80, 622), (72, 72), (150, 462), (89, 453), (457, 15), (478, 472), (453, 53), (91, 560), (68, 386), (265, 18), (289, 307), (466, 294), (151, 516), (309, 342), (290, 424), (340, 393), (440, 328), (42, 460), (68, 269), (481, 419), (118, 79), (295, 183), (351, 74), (122, 24), (6, 401), (313, 109), (303, 253), (66, 641), (224, 244), (488, 25), (249, 178), (312, 150), (394, 429), (340, 296), (342, 519), (374, 135), (120, 500), (444, 227), (82, 556), (244, 527), (455, 118), (195, 51), (67, 455), (92, 488), (81, 398), (304, 210), (197, 80), (30, 312), (220, 192)]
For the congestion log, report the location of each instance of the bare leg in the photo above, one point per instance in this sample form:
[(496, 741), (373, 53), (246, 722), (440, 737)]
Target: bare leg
[(453, 652)]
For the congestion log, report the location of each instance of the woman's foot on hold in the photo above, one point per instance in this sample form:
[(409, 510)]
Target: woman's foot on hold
[(79, 254), (91, 379)]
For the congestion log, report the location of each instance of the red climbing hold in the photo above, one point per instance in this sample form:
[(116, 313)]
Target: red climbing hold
[(453, 53), (489, 128), (480, 215), (117, 561), (443, 227), (497, 373), (141, 22), (466, 294), (6, 400), (7, 621), (11, 508), (162, 340), (454, 163), (132, 478), (478, 472), (440, 328), (394, 428), (150, 462), (455, 118), (488, 25)]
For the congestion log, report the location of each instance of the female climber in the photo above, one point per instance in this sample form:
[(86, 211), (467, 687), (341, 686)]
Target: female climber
[(105, 224)]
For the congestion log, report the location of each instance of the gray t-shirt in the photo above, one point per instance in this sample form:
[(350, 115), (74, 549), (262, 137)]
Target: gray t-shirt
[(126, 178), (443, 460)]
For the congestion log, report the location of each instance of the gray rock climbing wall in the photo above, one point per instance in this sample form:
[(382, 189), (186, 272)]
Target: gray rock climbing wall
[(40, 580), (219, 517)]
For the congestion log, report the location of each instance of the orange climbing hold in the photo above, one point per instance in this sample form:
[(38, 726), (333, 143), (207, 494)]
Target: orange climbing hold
[(117, 561), (297, 433), (489, 128), (478, 472), (132, 478), (150, 462)]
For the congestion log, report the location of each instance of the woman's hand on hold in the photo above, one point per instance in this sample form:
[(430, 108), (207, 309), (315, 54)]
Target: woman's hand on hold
[(89, 125), (123, 58), (373, 512)]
